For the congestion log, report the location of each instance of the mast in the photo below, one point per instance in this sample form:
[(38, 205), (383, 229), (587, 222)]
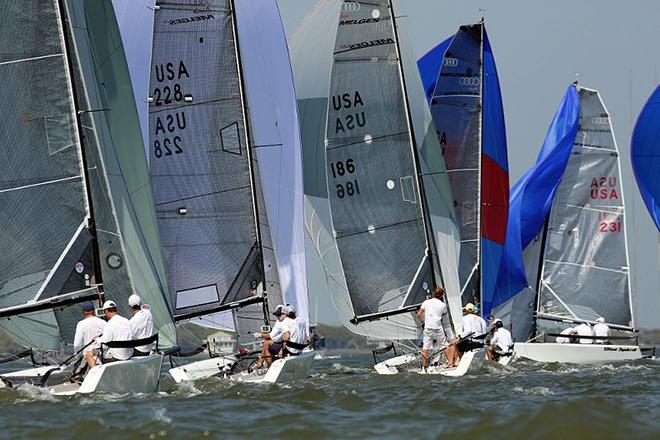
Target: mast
[(481, 153), (248, 140), (61, 11), (430, 241)]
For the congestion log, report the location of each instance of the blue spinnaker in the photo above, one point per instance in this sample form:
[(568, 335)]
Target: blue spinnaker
[(531, 197), (469, 120), (645, 154), (429, 66)]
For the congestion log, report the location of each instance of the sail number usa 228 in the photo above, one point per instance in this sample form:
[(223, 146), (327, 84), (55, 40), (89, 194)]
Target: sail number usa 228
[(169, 125)]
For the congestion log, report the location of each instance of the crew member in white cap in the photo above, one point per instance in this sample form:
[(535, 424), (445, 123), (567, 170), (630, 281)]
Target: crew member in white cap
[(117, 329), (273, 340), (296, 330), (601, 330), (142, 324)]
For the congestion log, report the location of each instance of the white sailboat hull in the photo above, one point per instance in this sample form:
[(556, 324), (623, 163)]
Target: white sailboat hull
[(136, 375), (285, 370), (201, 369), (576, 353), (471, 362)]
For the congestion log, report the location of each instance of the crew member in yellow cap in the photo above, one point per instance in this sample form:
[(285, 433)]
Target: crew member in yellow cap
[(473, 327)]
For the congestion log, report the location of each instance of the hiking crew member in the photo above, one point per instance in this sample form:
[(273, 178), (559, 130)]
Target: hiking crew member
[(116, 329), (87, 329), (502, 342), (473, 326), (601, 330), (296, 330), (584, 329), (273, 340), (432, 312), (570, 331), (142, 324)]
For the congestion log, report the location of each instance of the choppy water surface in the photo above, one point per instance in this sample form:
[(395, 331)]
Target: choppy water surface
[(346, 399)]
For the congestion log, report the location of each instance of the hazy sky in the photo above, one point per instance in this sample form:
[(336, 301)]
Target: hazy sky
[(540, 47)]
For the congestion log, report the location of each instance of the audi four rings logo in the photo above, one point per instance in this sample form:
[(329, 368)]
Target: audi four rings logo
[(470, 81), (451, 62), (600, 120), (351, 6)]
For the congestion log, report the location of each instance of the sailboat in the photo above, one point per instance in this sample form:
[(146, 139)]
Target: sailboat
[(76, 205), (388, 194), (461, 82), (645, 155), (566, 256), (227, 175)]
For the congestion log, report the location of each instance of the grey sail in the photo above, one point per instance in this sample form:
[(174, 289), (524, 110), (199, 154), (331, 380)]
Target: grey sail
[(130, 249), (83, 113), (456, 108), (42, 172), (206, 188), (585, 260), (375, 203)]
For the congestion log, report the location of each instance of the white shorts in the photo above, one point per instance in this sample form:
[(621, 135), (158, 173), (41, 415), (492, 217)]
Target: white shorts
[(434, 338)]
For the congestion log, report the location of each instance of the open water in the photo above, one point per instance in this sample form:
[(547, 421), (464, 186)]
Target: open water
[(345, 398)]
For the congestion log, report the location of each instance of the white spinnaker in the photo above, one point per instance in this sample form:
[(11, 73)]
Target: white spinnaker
[(136, 23), (276, 136)]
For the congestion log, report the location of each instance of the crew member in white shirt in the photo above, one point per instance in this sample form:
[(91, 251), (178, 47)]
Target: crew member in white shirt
[(432, 312), (584, 329), (86, 329), (273, 340), (296, 330), (116, 329), (501, 343), (473, 326), (601, 330), (570, 331), (142, 324)]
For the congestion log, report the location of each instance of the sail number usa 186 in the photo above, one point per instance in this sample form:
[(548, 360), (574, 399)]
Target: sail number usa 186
[(345, 168)]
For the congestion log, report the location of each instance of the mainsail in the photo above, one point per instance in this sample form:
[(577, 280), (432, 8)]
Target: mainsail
[(461, 80), (312, 45), (645, 155), (229, 200), (73, 157), (566, 239), (376, 201), (585, 256)]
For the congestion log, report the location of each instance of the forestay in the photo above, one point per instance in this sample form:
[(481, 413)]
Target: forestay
[(206, 191), (585, 264), (374, 196)]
